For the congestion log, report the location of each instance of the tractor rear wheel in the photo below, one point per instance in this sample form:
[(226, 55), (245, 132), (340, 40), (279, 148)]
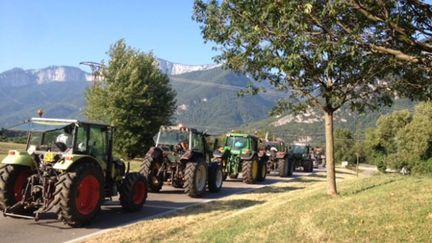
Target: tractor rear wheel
[(195, 178), (308, 166), (133, 192), (250, 170), (283, 167), (79, 194), (262, 170), (215, 178), (13, 181), (150, 170)]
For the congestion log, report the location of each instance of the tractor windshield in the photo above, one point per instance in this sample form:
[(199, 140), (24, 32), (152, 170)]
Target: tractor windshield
[(277, 146), (299, 149), (48, 134), (236, 143), (172, 137)]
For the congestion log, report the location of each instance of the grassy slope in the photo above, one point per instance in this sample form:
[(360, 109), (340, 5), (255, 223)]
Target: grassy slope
[(382, 208), (5, 147)]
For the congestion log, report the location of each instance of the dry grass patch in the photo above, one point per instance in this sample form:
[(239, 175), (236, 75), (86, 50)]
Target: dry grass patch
[(244, 217)]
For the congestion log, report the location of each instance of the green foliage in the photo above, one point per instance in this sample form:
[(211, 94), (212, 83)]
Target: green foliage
[(402, 140), (301, 49), (134, 96), (344, 145)]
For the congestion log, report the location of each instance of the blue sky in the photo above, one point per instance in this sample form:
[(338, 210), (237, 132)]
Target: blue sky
[(35, 34)]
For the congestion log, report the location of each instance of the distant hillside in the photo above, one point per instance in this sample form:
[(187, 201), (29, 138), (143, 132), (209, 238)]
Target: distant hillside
[(309, 127), (207, 99)]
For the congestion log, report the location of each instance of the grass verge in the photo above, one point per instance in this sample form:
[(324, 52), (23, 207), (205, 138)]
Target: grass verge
[(381, 208)]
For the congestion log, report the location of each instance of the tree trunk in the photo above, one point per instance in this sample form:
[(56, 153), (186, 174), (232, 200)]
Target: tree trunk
[(330, 164)]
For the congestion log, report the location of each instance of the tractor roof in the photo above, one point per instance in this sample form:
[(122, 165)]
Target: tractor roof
[(240, 135), (49, 124), (179, 128)]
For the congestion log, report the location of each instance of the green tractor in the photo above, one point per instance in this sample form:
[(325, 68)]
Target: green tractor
[(278, 158), (68, 169), (300, 154), (240, 153), (181, 156)]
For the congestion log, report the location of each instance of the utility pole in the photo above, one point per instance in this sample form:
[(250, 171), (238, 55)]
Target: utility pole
[(96, 68)]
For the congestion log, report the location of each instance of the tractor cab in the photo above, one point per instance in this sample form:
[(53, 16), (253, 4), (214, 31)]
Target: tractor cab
[(241, 144), (60, 140), (179, 139)]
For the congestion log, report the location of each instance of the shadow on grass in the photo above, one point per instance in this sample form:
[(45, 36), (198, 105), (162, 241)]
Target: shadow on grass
[(219, 205), (274, 189), (346, 173), (308, 180), (368, 187)]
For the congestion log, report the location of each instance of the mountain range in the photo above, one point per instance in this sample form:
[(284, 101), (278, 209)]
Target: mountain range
[(206, 99), (206, 95)]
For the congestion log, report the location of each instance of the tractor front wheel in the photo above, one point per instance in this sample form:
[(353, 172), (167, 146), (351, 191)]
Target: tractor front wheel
[(308, 166), (133, 192), (215, 178), (262, 170), (250, 170), (283, 167), (79, 194), (13, 181), (195, 178), (150, 171), (290, 167)]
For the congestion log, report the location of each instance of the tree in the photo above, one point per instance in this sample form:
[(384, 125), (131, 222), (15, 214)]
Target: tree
[(382, 142), (415, 139), (134, 96), (399, 28), (302, 49), (344, 145)]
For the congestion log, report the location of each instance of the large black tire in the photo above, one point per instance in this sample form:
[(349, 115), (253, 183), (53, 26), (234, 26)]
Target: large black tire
[(149, 170), (250, 170), (262, 170), (283, 167), (215, 178), (79, 194), (291, 167), (13, 181), (133, 192), (308, 166), (195, 178)]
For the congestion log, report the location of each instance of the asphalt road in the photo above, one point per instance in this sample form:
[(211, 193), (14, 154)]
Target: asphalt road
[(111, 215)]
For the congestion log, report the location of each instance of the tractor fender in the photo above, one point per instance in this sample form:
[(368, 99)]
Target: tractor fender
[(218, 154), (213, 166), (190, 155), (248, 157), (155, 154), (70, 160), (18, 158), (280, 155)]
